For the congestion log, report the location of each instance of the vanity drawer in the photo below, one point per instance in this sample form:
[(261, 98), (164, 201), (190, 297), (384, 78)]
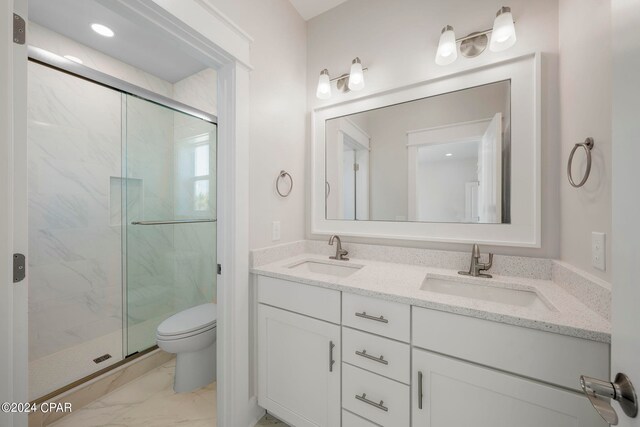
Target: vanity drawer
[(364, 350), (351, 420), (545, 356), (309, 300), (386, 318), (387, 401)]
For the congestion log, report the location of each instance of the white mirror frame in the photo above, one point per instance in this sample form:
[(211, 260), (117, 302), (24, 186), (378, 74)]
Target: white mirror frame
[(525, 227)]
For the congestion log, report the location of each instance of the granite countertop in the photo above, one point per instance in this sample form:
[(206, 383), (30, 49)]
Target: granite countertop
[(402, 283)]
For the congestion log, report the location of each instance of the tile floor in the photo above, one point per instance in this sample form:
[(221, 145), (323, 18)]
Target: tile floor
[(149, 401)]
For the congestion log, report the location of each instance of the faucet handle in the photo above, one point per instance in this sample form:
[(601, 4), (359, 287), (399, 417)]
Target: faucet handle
[(490, 263)]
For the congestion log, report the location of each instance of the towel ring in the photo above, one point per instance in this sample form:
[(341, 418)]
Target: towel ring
[(587, 145), (284, 174)]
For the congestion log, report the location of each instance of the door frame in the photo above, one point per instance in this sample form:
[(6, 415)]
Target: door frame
[(224, 47)]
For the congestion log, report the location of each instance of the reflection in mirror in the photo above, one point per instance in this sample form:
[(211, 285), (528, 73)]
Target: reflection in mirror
[(445, 158)]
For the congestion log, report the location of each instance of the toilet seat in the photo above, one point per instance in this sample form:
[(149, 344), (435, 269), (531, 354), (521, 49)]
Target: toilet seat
[(190, 322)]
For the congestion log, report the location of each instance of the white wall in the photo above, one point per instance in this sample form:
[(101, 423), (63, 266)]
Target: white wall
[(446, 203), (398, 41), (585, 102), (278, 101)]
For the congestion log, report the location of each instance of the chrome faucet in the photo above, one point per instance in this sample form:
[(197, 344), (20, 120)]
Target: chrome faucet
[(341, 254), (477, 266)]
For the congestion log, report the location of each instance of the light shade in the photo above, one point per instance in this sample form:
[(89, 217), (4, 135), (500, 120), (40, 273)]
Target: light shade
[(356, 76), (447, 48), (503, 35), (324, 85)]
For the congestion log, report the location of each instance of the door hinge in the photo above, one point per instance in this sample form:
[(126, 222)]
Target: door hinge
[(219, 269), (19, 29), (19, 268), (356, 167)]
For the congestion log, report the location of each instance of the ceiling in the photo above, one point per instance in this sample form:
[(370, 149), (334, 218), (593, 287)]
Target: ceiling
[(438, 152), (310, 8), (147, 49)]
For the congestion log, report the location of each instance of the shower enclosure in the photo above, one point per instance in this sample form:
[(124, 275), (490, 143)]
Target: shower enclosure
[(122, 208)]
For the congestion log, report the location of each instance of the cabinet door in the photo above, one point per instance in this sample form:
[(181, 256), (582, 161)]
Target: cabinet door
[(298, 368), (456, 393)]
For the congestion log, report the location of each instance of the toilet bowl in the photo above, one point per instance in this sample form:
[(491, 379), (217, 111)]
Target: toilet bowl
[(191, 335)]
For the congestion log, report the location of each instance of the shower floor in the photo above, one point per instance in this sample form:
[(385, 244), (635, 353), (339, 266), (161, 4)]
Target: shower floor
[(54, 371)]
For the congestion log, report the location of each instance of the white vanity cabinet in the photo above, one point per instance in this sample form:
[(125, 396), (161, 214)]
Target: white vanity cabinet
[(470, 372), (299, 361), (337, 359), (449, 392)]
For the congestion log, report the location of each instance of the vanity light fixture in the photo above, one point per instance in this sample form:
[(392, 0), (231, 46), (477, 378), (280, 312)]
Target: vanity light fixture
[(344, 83), (449, 154), (324, 85), (356, 76), (103, 30), (503, 36), (447, 49)]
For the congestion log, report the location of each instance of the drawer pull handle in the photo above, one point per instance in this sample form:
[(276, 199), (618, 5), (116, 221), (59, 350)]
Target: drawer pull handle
[(380, 359), (331, 361), (380, 405), (420, 392), (364, 315)]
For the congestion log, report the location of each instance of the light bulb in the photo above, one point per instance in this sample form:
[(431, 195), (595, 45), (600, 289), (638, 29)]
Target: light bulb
[(103, 30), (447, 48), (324, 85), (356, 76), (503, 35)]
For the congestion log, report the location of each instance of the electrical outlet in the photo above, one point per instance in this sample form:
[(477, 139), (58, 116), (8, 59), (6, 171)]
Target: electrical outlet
[(275, 231), (598, 250)]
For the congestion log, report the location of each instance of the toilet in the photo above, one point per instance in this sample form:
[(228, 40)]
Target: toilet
[(191, 335)]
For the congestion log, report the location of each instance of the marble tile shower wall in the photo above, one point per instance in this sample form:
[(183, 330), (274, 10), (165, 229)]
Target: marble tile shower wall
[(75, 253)]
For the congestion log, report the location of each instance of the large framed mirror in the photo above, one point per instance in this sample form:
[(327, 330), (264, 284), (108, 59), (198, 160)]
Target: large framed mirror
[(454, 159), (445, 158)]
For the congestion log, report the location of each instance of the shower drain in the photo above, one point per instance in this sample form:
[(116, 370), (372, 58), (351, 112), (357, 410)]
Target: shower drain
[(102, 358)]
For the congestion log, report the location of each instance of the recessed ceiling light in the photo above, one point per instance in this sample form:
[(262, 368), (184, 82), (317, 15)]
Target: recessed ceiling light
[(73, 58), (449, 154), (102, 30)]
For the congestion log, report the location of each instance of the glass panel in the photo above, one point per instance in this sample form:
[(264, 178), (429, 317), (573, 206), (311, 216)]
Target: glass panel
[(75, 275), (171, 157)]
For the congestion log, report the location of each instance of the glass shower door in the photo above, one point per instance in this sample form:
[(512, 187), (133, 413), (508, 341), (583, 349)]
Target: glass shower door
[(169, 208)]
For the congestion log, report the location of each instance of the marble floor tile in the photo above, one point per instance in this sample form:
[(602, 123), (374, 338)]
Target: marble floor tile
[(148, 401)]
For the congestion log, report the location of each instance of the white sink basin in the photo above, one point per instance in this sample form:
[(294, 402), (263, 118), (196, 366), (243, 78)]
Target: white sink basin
[(326, 268), (489, 292)]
